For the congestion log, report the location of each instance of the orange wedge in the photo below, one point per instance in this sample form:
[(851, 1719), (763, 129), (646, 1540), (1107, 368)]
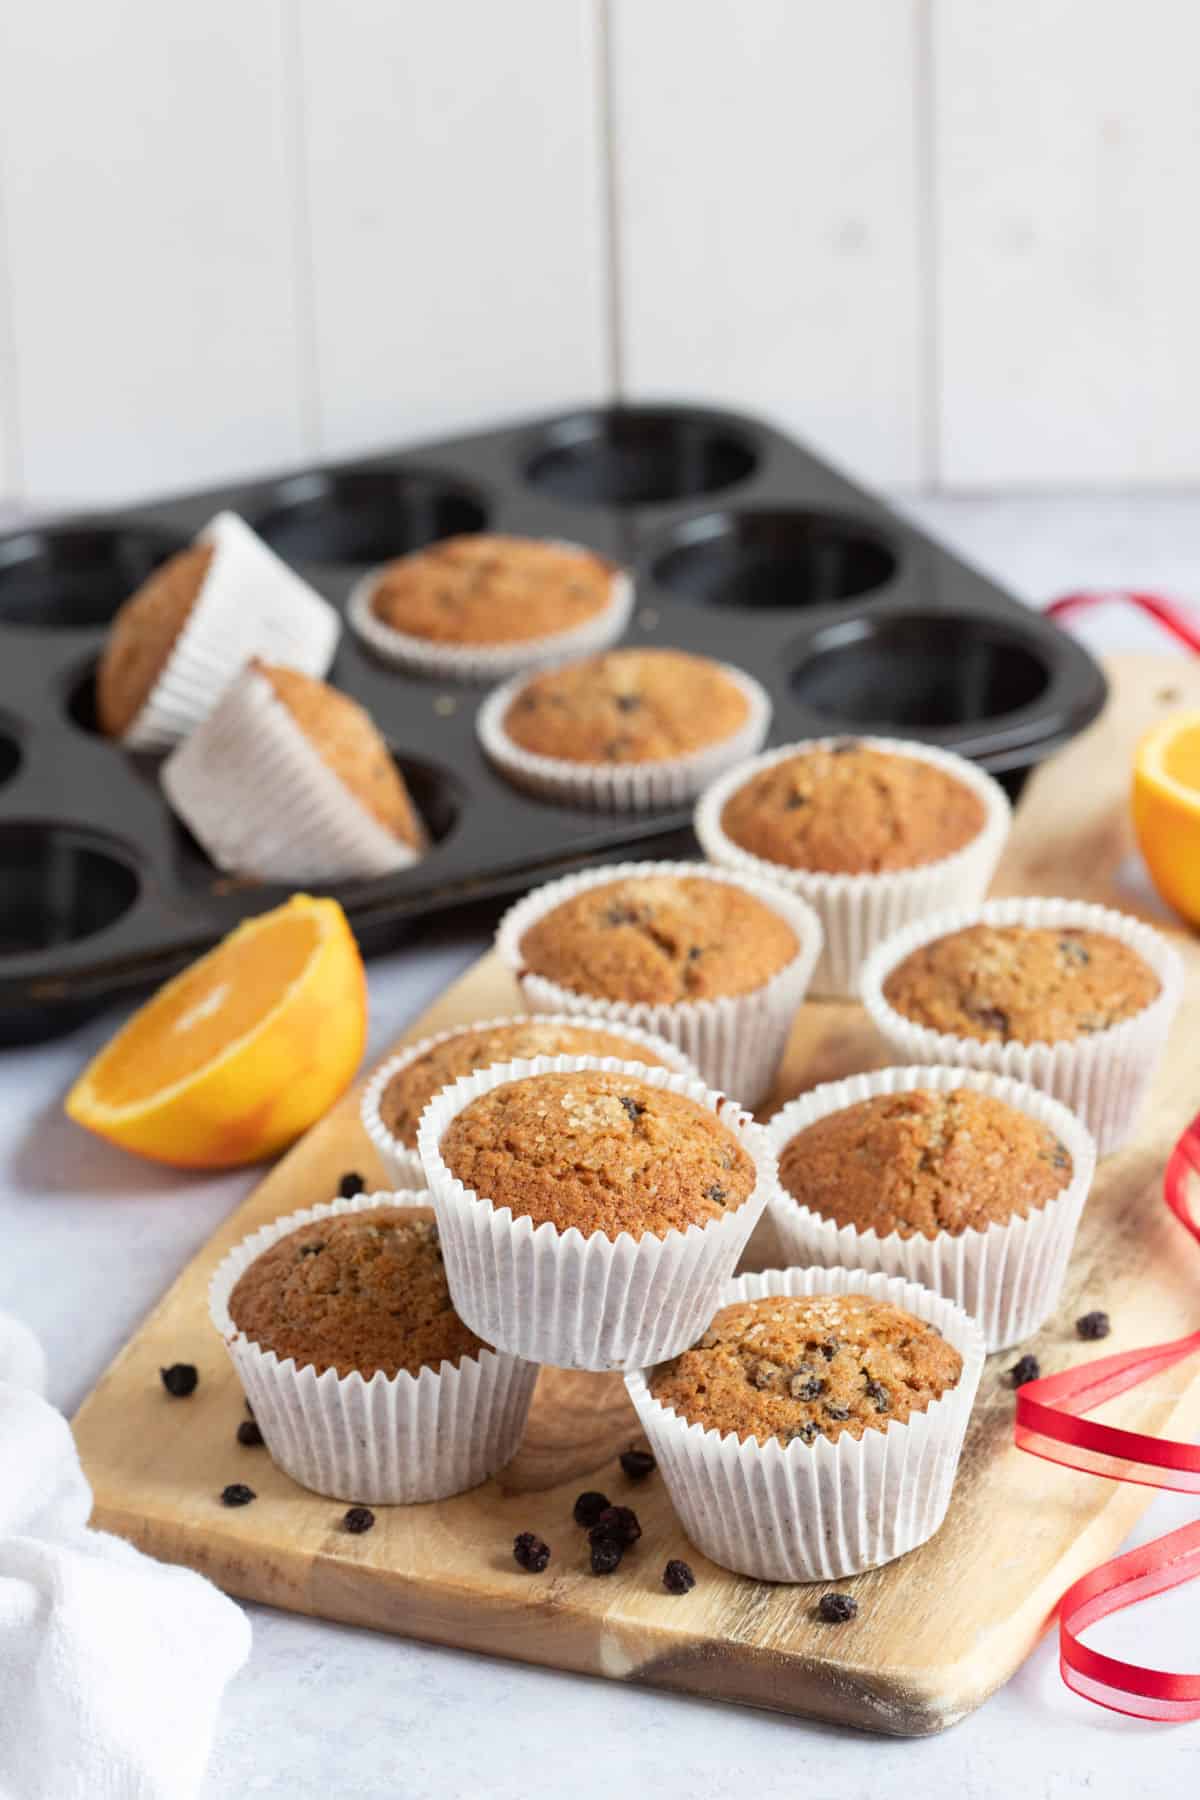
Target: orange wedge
[(242, 1052), (1166, 809)]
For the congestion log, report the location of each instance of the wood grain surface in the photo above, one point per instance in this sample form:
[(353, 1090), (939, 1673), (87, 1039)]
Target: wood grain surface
[(937, 1631)]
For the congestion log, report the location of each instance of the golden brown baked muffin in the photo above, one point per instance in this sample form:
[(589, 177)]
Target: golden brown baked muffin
[(852, 810), (344, 736), (1021, 983), (808, 1367), (626, 706), (361, 1291), (411, 1089), (490, 589), (143, 635), (659, 939), (603, 1152), (924, 1162)]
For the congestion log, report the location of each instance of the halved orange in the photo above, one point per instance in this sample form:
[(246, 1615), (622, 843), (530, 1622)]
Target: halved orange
[(243, 1051), (1166, 809)]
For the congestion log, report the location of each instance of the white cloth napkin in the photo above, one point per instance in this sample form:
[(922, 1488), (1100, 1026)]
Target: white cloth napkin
[(112, 1666)]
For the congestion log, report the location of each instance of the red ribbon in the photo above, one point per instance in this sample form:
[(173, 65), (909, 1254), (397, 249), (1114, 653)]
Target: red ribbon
[(1172, 617), (1048, 1424)]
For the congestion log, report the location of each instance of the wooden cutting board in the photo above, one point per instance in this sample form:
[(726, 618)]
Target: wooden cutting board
[(937, 1632)]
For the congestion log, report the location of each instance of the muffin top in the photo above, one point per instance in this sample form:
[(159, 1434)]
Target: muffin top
[(924, 1162), (411, 1089), (1021, 983), (808, 1367), (627, 706), (489, 589), (344, 736), (659, 939), (602, 1152), (360, 1290), (143, 634), (852, 810)]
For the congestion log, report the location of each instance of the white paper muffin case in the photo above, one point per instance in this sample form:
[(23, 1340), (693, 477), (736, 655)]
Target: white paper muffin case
[(404, 1165), (262, 801), (485, 663), (1102, 1077), (1008, 1277), (621, 787), (817, 1512), (584, 1303), (735, 1041), (251, 604), (859, 911), (391, 1440)]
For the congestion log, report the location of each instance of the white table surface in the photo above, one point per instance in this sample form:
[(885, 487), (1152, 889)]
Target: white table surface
[(92, 1238)]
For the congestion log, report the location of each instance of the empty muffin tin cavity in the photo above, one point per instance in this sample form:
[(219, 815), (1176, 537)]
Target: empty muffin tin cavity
[(920, 671), (638, 456), (364, 516), (60, 885), (774, 558), (69, 576), (10, 756)]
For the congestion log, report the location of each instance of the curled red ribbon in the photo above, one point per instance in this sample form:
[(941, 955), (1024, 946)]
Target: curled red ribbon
[(1048, 1424), (1173, 617)]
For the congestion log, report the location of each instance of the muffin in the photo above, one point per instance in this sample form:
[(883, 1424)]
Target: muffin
[(289, 780), (589, 1214), (624, 731), (180, 640), (872, 832), (364, 1381), (399, 1092), (814, 1428), (713, 962), (965, 1182), (1074, 999), (481, 607)]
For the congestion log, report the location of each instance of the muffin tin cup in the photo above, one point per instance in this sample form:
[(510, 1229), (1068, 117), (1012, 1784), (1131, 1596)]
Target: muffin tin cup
[(1103, 1077), (482, 664), (735, 1041), (621, 787), (1008, 1277), (857, 912), (392, 1440), (403, 1165), (584, 1303), (262, 801), (251, 604), (821, 1511)]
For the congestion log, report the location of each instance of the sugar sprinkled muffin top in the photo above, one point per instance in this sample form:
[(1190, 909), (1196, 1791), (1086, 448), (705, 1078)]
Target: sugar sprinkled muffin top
[(852, 810), (361, 1291), (626, 706), (485, 588), (1021, 983), (923, 1162), (808, 1367), (411, 1088), (143, 635), (598, 1151), (660, 939)]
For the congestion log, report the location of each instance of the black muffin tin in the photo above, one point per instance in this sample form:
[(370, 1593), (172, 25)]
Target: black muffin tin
[(743, 545)]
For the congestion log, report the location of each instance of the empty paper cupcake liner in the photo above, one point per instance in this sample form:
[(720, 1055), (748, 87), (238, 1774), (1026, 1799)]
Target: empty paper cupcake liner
[(1103, 1077), (262, 801), (1008, 1277), (403, 1164), (735, 1041), (485, 663), (251, 604), (391, 1440), (584, 1303), (857, 912), (621, 787), (820, 1511)]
